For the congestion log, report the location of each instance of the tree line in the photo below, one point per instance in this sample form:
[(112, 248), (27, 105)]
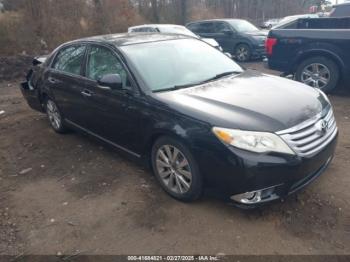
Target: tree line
[(36, 25)]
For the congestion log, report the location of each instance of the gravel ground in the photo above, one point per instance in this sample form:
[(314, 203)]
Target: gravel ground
[(69, 194)]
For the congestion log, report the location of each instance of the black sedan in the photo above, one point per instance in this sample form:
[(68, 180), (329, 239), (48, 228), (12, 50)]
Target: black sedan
[(198, 118)]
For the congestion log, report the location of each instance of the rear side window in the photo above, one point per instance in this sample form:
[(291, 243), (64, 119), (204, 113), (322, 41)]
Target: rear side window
[(202, 27), (144, 30), (70, 59), (151, 30)]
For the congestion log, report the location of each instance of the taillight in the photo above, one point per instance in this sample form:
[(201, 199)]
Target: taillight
[(269, 44)]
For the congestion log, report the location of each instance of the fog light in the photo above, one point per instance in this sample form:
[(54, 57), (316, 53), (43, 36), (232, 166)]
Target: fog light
[(255, 197), (248, 198)]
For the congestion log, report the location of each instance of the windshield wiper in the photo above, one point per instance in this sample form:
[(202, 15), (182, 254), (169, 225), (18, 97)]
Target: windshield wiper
[(177, 87), (173, 88), (221, 76)]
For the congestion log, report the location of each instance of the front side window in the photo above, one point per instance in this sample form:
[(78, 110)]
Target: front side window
[(222, 27), (70, 59), (102, 61), (169, 64), (243, 26)]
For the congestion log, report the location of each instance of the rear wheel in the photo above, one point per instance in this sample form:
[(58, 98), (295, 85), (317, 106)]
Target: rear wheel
[(176, 169), (54, 115), (242, 53), (318, 72)]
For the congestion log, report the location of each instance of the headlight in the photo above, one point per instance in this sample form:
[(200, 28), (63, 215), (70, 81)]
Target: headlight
[(259, 142)]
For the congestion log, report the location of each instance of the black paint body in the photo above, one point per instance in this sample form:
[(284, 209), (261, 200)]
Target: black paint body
[(132, 120)]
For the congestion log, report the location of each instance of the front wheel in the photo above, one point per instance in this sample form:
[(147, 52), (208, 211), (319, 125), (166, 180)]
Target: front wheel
[(318, 72), (54, 115), (176, 169), (243, 53)]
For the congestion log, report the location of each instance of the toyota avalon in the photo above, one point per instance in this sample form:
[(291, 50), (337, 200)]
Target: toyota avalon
[(198, 118)]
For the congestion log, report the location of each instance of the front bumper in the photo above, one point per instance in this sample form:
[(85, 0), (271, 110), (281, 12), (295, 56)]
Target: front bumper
[(238, 172), (278, 191), (258, 51)]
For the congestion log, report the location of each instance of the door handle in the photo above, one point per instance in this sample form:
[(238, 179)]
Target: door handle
[(87, 93), (52, 80)]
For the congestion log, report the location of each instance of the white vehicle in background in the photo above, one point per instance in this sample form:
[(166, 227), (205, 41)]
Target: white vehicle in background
[(289, 20), (171, 29), (270, 23)]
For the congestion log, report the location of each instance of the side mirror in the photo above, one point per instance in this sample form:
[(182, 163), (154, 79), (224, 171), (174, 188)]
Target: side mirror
[(113, 81), (228, 32), (228, 55)]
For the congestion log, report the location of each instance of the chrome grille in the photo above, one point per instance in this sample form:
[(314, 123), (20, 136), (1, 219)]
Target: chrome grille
[(311, 136)]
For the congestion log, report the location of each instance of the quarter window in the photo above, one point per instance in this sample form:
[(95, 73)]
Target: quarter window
[(70, 59), (102, 62)]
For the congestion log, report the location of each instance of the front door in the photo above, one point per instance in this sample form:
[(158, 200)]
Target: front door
[(112, 112), (225, 36)]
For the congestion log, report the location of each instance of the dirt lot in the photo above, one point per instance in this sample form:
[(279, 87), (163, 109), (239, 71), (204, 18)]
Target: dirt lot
[(69, 194)]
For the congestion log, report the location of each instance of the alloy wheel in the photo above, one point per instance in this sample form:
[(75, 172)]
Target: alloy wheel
[(242, 53), (53, 114), (174, 169), (316, 75)]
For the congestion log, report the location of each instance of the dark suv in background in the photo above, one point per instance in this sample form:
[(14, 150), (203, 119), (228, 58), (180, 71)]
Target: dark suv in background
[(238, 37)]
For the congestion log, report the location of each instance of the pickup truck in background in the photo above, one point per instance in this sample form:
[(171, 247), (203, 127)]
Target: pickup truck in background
[(316, 52)]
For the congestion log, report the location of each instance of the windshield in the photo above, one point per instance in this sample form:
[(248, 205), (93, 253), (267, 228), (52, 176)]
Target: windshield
[(169, 64), (177, 30), (243, 26)]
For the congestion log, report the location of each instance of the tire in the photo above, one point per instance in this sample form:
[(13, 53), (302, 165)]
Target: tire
[(54, 116), (181, 178), (243, 53), (318, 72)]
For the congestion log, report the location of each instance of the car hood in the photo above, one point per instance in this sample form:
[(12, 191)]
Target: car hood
[(249, 101), (211, 41), (258, 33)]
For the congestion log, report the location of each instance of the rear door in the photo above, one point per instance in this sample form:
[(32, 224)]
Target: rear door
[(65, 82)]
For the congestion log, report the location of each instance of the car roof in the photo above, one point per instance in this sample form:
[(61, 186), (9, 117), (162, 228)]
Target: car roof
[(130, 38), (155, 25), (216, 20), (302, 16)]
